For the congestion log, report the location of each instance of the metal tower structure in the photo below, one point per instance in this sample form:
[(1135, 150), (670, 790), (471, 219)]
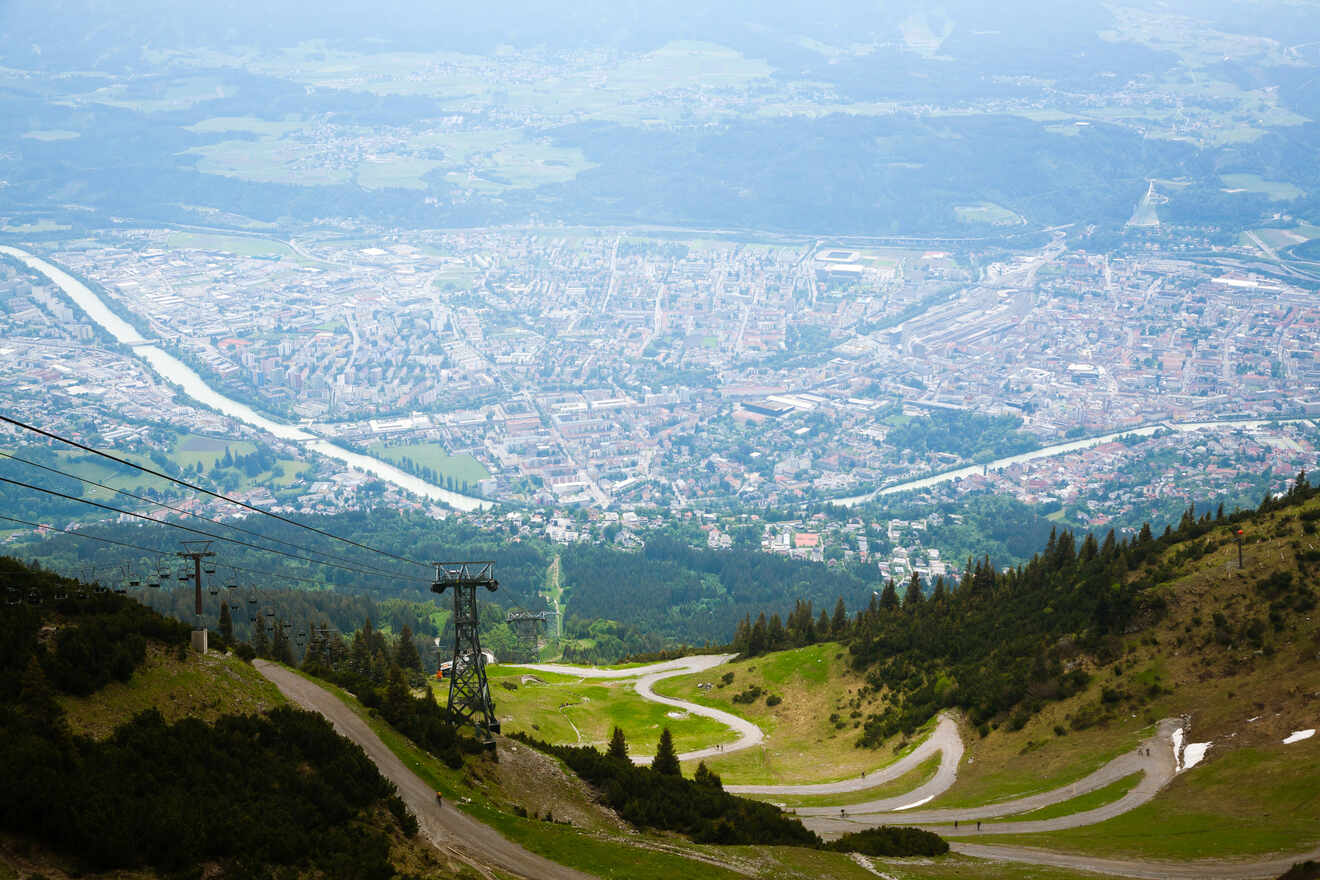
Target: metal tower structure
[(197, 551), (469, 691), (527, 626)]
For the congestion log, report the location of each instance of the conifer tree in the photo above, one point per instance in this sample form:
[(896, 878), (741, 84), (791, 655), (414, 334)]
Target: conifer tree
[(666, 758), (618, 745), (889, 596), (280, 650), (36, 695), (756, 643), (913, 597), (260, 642), (705, 778), (226, 623), (775, 635), (406, 655), (839, 625)]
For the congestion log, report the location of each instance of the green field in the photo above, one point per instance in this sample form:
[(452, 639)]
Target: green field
[(463, 468), (571, 711)]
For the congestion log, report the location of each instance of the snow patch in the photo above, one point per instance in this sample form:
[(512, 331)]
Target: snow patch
[(1298, 736), (676, 714), (1177, 739), (927, 798), (1193, 754)]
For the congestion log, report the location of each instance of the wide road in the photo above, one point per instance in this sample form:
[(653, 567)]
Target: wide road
[(446, 827)]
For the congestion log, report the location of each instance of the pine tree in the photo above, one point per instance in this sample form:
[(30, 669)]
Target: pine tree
[(618, 746), (743, 635), (889, 596), (396, 693), (913, 597), (822, 629), (706, 779), (666, 758), (775, 635), (757, 642), (36, 696), (260, 643), (226, 623), (406, 655), (839, 625), (280, 650)]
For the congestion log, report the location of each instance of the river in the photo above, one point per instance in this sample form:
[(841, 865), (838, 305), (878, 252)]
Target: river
[(173, 370), (1052, 450)]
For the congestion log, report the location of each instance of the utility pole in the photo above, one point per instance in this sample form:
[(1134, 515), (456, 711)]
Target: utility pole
[(1238, 536), (469, 691), (197, 551)]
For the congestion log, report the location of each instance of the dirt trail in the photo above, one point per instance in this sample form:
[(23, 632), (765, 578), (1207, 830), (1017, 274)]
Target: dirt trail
[(446, 827)]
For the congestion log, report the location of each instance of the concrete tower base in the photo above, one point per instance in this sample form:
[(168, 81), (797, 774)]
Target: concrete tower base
[(199, 641)]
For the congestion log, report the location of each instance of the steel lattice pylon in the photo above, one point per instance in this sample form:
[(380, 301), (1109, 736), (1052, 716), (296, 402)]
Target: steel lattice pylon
[(527, 625), (469, 691)]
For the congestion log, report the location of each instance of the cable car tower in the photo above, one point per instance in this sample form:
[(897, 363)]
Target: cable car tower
[(527, 626), (469, 691), (197, 551)]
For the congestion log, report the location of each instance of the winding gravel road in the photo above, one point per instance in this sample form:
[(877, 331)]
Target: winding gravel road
[(944, 739), (446, 827), (1158, 769), (748, 733), (468, 839)]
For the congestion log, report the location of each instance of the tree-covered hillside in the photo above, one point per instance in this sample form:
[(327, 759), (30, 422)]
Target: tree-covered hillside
[(255, 796)]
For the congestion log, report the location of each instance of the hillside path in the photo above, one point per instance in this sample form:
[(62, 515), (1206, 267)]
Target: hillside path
[(1157, 767), (944, 740), (1197, 870), (446, 827), (748, 733)]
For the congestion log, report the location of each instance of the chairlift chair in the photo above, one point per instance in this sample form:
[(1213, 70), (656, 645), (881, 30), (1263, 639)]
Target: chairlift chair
[(34, 597), (13, 596)]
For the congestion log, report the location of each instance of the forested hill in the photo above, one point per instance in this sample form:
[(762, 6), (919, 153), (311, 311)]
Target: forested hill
[(1004, 643), (279, 794)]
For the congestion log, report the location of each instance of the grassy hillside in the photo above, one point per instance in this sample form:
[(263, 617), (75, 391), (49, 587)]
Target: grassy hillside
[(178, 685), (1237, 654), (564, 710), (810, 732)]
